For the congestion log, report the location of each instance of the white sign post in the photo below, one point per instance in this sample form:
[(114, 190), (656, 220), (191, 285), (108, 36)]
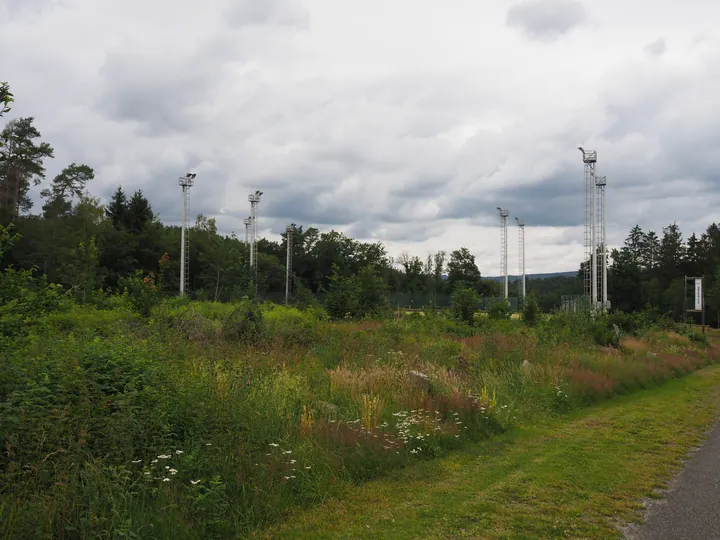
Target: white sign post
[(699, 304)]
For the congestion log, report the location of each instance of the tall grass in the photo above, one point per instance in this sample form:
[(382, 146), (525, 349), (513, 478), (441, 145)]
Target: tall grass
[(210, 420)]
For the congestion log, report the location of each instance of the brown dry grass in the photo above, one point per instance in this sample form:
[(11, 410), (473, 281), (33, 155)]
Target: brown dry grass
[(634, 345)]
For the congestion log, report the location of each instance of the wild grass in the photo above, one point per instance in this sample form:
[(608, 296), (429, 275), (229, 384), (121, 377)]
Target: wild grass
[(212, 420)]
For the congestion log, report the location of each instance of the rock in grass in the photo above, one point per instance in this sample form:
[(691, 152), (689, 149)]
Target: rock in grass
[(420, 379)]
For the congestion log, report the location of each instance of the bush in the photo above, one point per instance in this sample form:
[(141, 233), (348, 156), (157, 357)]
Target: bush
[(531, 310), (245, 323), (464, 300), (500, 310)]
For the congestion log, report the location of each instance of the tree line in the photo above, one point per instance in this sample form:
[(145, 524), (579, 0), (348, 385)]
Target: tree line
[(83, 245), (650, 270)]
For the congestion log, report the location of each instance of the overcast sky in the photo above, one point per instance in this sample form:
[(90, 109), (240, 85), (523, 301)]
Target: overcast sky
[(405, 121)]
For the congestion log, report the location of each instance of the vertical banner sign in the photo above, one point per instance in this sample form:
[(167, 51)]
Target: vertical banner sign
[(698, 295)]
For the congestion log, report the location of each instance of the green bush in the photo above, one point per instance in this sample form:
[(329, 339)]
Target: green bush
[(500, 310), (464, 301), (531, 310)]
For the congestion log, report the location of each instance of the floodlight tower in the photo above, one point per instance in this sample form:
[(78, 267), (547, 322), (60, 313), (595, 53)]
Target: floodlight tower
[(185, 182), (503, 246), (521, 253), (289, 230), (600, 183), (254, 199), (591, 282), (247, 222)]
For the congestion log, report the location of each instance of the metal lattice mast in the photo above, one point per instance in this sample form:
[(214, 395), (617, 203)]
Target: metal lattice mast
[(254, 199), (503, 247), (288, 265), (247, 222), (590, 160), (185, 182), (600, 183), (521, 253)]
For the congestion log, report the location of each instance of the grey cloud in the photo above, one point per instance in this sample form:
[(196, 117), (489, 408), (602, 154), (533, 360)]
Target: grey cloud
[(284, 12), (656, 48), (546, 20), (18, 8)]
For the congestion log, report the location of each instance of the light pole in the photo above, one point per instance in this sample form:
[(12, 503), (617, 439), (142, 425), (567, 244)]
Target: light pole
[(503, 241), (185, 182), (591, 277), (288, 265), (521, 251)]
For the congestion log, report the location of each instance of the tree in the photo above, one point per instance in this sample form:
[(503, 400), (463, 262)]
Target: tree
[(71, 182), (117, 210), (21, 163), (462, 268), (139, 213), (413, 279), (531, 310), (464, 302), (83, 272), (6, 98), (671, 255), (713, 295)]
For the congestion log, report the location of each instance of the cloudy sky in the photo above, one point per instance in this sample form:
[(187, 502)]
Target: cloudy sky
[(405, 121)]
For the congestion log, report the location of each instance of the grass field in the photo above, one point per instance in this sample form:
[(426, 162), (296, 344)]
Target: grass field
[(580, 476), (186, 419)]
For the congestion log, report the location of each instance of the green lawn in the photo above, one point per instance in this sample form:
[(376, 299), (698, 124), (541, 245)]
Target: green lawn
[(573, 477)]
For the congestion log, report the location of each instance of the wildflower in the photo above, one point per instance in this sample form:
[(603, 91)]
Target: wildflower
[(179, 452), (288, 452), (166, 479), (147, 473), (153, 462), (292, 461), (137, 461), (195, 482), (287, 478), (167, 467), (163, 456), (292, 476), (208, 444), (274, 444), (307, 467), (173, 471)]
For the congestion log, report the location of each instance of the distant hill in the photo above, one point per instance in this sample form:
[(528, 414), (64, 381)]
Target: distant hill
[(535, 276), (529, 276)]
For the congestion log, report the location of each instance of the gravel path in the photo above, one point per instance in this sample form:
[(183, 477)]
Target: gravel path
[(691, 507)]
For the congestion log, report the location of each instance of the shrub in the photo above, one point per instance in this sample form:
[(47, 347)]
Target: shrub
[(531, 310), (500, 310), (464, 300), (245, 323)]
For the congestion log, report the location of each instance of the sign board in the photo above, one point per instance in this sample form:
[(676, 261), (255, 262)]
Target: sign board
[(698, 295)]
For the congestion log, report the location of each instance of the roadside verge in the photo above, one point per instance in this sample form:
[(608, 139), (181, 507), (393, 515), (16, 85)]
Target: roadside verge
[(577, 476)]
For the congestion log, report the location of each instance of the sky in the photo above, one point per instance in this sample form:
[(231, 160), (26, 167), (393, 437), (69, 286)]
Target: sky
[(401, 121)]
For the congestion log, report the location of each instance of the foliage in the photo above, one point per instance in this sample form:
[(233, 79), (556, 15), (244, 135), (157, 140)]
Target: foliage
[(531, 310), (500, 310), (6, 99), (464, 302)]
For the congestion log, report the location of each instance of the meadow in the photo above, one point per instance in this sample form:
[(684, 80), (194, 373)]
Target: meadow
[(184, 419)]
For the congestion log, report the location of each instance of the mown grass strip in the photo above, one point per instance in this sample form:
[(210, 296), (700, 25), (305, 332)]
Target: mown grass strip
[(573, 477)]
